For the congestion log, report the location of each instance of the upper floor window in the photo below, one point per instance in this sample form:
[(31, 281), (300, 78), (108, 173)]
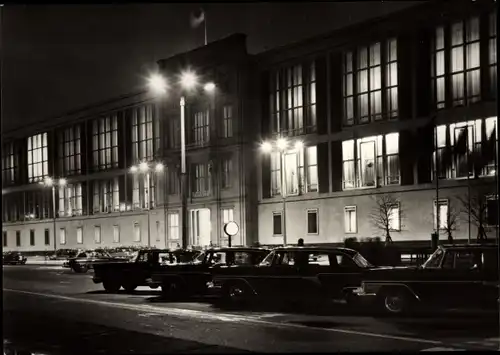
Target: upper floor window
[(466, 138), (145, 134), (227, 127), (13, 207), (226, 172), (106, 196), (201, 127), (493, 53), (144, 187), (38, 204), (38, 157), (172, 181), (371, 161), (293, 99), (70, 200), (461, 51), (300, 167), (370, 83), (9, 163), (70, 151), (201, 179), (105, 142)]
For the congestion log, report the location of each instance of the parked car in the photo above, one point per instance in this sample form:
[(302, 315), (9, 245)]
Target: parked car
[(135, 272), (454, 276), (193, 278), (87, 259), (14, 258), (294, 273)]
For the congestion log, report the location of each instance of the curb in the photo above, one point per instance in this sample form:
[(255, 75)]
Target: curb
[(48, 262)]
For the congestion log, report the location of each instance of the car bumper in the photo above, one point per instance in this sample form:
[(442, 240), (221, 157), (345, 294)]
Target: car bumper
[(152, 283), (365, 298), (213, 289)]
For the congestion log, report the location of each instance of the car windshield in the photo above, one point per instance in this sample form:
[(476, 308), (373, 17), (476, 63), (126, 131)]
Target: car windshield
[(199, 258), (361, 261), (434, 260), (267, 260)]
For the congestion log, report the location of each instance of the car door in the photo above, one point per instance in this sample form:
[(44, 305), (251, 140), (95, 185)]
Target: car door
[(341, 274), (488, 264)]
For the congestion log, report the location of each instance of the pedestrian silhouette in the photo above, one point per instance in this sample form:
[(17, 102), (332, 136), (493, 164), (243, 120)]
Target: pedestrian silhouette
[(300, 242)]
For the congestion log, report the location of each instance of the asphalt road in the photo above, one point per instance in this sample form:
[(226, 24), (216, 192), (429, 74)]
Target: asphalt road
[(52, 310)]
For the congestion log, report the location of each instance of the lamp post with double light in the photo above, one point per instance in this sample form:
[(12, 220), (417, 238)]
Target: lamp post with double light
[(281, 145), (50, 182), (145, 169), (188, 82)]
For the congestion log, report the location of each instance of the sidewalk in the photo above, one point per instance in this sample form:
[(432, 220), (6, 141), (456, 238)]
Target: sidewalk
[(35, 260)]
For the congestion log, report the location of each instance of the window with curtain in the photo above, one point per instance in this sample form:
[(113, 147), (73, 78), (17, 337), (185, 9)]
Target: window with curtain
[(366, 96), (350, 221), (371, 161), (144, 191), (443, 214), (145, 133), (173, 226), (106, 196), (201, 127), (70, 200), (201, 179), (38, 157), (70, 151)]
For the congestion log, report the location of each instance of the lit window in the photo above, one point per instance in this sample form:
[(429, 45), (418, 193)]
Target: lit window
[(9, 163), (97, 234), (137, 232), (62, 236), (227, 216), (116, 234), (464, 68), (70, 200), (38, 159), (443, 214), (371, 161), (70, 151), (394, 218), (143, 191), (201, 180), (38, 204), (363, 88), (312, 168), (105, 142), (277, 223), (145, 134), (275, 174), (227, 131), (293, 99), (106, 196), (201, 127), (350, 222), (79, 235), (312, 222), (173, 226)]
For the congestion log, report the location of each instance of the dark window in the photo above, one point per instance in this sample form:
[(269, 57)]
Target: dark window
[(277, 223), (18, 238), (32, 237), (312, 222), (4, 234), (172, 181), (201, 128), (493, 53), (201, 179), (70, 151), (47, 237), (226, 172), (9, 163)]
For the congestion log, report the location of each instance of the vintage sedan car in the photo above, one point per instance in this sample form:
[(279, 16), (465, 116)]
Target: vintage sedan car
[(194, 278), (87, 259), (135, 272), (14, 258), (294, 273), (455, 276)]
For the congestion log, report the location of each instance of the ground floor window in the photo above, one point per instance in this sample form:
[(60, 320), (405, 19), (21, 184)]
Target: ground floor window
[(277, 223), (62, 236), (79, 235), (312, 221), (32, 237), (350, 219)]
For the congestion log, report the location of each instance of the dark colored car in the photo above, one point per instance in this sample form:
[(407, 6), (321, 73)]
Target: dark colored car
[(133, 273), (293, 273), (87, 259), (193, 278), (14, 258), (455, 276)]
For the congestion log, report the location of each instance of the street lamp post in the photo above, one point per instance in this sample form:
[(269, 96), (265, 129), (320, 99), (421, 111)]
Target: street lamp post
[(282, 145), (188, 81), (49, 182)]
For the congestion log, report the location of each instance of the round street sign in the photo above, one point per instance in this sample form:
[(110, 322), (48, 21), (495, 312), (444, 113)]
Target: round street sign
[(231, 228)]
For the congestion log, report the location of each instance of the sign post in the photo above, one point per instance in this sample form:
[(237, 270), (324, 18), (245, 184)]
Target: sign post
[(231, 229)]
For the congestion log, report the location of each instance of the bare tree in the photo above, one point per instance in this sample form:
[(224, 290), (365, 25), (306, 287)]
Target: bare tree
[(383, 214), (451, 223), (477, 209)]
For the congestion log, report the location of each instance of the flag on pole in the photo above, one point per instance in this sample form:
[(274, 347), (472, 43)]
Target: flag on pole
[(197, 18)]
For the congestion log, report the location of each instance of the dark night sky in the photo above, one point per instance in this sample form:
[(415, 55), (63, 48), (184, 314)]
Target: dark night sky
[(61, 57)]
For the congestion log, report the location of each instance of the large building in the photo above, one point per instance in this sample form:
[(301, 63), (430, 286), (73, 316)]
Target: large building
[(344, 118)]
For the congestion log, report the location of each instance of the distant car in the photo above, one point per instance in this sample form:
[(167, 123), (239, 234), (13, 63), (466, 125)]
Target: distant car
[(294, 273), (455, 276), (194, 278), (87, 259), (14, 258), (137, 270)]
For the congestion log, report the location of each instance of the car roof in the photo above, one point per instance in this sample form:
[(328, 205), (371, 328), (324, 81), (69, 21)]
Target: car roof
[(470, 246), (317, 248), (237, 249)]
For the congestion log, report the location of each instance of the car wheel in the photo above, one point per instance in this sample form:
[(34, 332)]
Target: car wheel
[(237, 293), (395, 302), (111, 286), (129, 287), (172, 289)]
